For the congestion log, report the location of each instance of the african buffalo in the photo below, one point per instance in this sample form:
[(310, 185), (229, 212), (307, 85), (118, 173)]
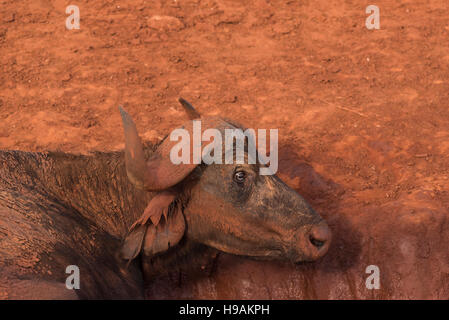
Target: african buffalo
[(116, 214)]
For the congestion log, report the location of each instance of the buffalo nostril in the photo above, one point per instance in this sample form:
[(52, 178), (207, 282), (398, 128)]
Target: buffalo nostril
[(319, 235)]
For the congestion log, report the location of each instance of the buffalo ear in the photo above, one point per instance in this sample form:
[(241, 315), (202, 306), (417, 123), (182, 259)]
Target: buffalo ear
[(160, 227), (133, 243), (166, 234)]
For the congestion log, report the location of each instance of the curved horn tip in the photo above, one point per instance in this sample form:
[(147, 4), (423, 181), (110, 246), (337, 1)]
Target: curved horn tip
[(134, 156), (126, 118), (182, 100), (190, 110)]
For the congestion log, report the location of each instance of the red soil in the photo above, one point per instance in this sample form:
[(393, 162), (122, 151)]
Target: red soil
[(362, 115)]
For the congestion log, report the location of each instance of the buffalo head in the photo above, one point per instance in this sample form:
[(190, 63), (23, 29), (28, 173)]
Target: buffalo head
[(229, 207)]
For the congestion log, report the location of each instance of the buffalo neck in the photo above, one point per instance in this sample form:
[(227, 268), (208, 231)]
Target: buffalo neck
[(95, 185)]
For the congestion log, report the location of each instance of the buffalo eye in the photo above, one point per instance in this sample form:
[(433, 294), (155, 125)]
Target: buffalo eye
[(240, 176)]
